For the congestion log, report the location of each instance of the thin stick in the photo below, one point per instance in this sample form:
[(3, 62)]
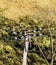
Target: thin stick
[(43, 54), (51, 42), (50, 36), (25, 50)]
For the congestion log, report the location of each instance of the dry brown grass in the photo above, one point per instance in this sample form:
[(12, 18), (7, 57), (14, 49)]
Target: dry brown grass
[(16, 8)]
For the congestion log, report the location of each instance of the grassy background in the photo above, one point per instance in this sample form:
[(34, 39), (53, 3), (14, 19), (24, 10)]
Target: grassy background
[(19, 15), (15, 8)]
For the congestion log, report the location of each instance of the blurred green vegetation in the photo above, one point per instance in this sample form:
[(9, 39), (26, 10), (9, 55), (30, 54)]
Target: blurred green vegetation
[(11, 50)]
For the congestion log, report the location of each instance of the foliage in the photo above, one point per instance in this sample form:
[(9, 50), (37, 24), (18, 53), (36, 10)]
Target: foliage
[(11, 50)]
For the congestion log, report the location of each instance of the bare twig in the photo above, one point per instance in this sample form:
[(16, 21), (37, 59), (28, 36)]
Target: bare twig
[(43, 54), (51, 42)]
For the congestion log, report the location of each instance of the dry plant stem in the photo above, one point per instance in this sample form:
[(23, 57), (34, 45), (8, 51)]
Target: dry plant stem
[(43, 54), (51, 42), (25, 50)]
